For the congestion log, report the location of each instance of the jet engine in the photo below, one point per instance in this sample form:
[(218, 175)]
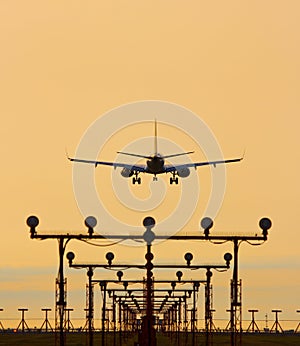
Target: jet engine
[(183, 172), (126, 172)]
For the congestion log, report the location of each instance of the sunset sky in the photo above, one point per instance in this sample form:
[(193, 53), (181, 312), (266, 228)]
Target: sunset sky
[(235, 64)]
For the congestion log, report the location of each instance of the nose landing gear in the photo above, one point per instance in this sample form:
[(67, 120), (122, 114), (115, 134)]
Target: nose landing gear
[(136, 179), (174, 180)]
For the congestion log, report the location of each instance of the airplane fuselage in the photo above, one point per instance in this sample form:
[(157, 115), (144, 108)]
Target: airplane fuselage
[(156, 164)]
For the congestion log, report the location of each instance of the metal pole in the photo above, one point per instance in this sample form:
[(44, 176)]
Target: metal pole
[(103, 312), (46, 319), (114, 317), (46, 322), (194, 314), (149, 294), (23, 312), (23, 322), (234, 300), (208, 308), (90, 274), (61, 301), (296, 330), (120, 321), (253, 320), (185, 311), (179, 320)]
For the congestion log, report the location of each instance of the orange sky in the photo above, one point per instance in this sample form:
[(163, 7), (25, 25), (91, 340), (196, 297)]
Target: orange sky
[(235, 64)]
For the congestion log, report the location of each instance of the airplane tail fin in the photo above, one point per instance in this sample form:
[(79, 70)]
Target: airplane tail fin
[(155, 138), (156, 146)]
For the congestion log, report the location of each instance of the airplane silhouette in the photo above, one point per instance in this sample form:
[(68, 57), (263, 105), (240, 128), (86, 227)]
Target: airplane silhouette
[(155, 164)]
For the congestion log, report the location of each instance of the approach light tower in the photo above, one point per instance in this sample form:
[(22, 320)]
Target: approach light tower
[(63, 239), (148, 237), (236, 290)]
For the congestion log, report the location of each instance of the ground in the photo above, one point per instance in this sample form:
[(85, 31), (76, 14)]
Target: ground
[(81, 339)]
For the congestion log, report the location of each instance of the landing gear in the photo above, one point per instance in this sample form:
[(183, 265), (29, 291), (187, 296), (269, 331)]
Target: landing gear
[(136, 179), (174, 180)]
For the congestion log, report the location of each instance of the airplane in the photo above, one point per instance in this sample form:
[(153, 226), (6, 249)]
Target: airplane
[(155, 164)]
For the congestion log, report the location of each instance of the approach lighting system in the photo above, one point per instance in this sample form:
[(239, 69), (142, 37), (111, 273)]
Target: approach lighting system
[(110, 256), (188, 257), (196, 285), (265, 224), (102, 284), (206, 224), (90, 222), (149, 222), (228, 258), (149, 236), (179, 275), (70, 257), (90, 273), (119, 275), (32, 222), (209, 274)]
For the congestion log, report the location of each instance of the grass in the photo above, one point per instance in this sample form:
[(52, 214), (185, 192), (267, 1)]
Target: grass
[(81, 339)]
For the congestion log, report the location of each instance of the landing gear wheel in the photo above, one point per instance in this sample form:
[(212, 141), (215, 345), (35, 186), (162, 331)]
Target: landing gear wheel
[(136, 180), (174, 180)]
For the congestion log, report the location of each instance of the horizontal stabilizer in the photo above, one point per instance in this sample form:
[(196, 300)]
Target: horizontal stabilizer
[(135, 155), (174, 155)]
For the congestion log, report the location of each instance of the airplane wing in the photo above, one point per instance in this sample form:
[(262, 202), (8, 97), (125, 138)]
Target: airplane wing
[(171, 168), (136, 168)]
